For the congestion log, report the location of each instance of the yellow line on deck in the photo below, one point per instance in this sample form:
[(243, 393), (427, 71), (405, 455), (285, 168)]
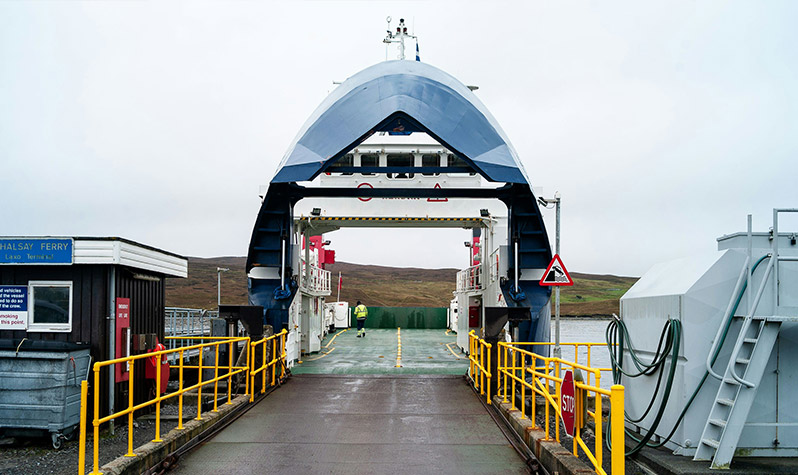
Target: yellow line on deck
[(320, 356), (398, 347), (455, 354), (334, 337)]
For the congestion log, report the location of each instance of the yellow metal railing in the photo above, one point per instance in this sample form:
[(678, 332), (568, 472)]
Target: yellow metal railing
[(569, 348), (220, 372), (478, 370), (515, 364), (266, 363)]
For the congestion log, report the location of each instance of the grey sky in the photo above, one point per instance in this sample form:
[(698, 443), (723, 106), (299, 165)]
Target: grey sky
[(662, 124)]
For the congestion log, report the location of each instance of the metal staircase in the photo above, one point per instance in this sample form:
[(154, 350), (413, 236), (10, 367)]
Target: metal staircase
[(736, 394), (751, 353)]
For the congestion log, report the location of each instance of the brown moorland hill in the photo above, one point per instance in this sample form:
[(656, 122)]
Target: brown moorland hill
[(383, 286)]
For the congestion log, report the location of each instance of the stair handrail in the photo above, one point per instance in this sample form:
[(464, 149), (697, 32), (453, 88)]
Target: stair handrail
[(726, 316), (747, 323)]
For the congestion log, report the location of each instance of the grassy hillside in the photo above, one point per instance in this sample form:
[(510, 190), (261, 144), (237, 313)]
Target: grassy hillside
[(383, 286)]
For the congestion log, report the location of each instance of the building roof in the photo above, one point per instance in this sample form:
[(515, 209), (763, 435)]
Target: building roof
[(115, 251), (402, 96)]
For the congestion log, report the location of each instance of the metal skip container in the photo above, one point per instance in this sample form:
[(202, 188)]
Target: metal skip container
[(40, 392)]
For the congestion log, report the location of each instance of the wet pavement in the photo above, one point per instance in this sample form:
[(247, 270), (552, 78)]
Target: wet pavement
[(351, 410)]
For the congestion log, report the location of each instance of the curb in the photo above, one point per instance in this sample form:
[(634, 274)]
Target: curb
[(152, 453), (550, 453)]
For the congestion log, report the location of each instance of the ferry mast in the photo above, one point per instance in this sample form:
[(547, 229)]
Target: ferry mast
[(398, 37)]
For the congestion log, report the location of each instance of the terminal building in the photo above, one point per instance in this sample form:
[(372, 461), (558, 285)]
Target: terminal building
[(104, 296)]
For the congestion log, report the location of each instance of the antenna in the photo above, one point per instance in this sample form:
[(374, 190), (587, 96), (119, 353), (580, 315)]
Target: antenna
[(398, 37)]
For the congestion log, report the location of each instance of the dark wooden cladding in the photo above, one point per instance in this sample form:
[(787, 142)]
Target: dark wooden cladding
[(91, 310), (89, 303), (147, 302)]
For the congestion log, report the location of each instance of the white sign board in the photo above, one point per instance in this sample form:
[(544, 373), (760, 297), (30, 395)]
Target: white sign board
[(13, 307)]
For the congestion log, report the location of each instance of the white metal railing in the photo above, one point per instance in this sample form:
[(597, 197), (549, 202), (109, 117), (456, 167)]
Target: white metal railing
[(470, 279), (317, 279), (493, 262)]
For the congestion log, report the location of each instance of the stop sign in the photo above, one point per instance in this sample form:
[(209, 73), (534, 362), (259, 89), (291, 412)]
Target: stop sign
[(568, 402)]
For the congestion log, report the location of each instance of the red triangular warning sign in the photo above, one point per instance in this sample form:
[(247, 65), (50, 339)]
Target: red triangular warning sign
[(437, 200), (556, 273)]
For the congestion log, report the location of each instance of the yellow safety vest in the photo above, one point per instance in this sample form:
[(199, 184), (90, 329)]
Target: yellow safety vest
[(361, 311)]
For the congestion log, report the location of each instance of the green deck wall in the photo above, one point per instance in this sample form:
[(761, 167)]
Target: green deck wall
[(404, 317)]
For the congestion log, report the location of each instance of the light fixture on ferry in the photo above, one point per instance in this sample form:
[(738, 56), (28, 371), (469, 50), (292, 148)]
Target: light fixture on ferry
[(316, 212), (484, 213), (467, 243)]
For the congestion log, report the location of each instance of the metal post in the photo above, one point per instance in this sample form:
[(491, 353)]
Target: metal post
[(516, 264), (112, 346), (775, 261), (617, 428), (282, 265), (219, 271), (750, 269), (557, 349)]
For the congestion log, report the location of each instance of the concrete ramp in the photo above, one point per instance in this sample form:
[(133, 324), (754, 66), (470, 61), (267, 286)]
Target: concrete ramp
[(363, 424)]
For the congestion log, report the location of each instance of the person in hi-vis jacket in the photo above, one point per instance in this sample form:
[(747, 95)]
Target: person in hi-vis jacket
[(361, 312)]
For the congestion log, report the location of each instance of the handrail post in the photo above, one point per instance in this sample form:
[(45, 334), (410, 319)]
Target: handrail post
[(273, 362), (523, 385), (282, 353), (96, 421), (597, 423), (229, 372), (215, 376), (617, 428), (504, 376), (533, 409), (199, 387), (130, 407), (263, 368), (158, 399), (180, 396), (251, 370), (490, 373), (84, 397)]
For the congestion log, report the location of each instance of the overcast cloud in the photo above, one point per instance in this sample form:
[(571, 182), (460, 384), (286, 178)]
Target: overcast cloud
[(662, 124)]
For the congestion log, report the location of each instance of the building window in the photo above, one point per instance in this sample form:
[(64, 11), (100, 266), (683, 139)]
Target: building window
[(49, 306)]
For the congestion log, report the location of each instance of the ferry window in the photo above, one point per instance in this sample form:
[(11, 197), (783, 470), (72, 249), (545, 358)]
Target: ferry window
[(369, 160), (455, 161), (50, 306), (400, 160), (431, 160), (347, 161)]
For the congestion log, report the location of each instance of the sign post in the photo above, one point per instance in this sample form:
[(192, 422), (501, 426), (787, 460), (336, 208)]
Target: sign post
[(556, 275), (568, 403)]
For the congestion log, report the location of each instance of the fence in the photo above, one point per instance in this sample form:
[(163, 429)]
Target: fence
[(221, 372), (470, 279), (520, 370), (479, 368), (318, 279)]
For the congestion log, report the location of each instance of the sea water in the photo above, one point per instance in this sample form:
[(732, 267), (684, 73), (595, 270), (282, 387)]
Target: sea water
[(579, 330)]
